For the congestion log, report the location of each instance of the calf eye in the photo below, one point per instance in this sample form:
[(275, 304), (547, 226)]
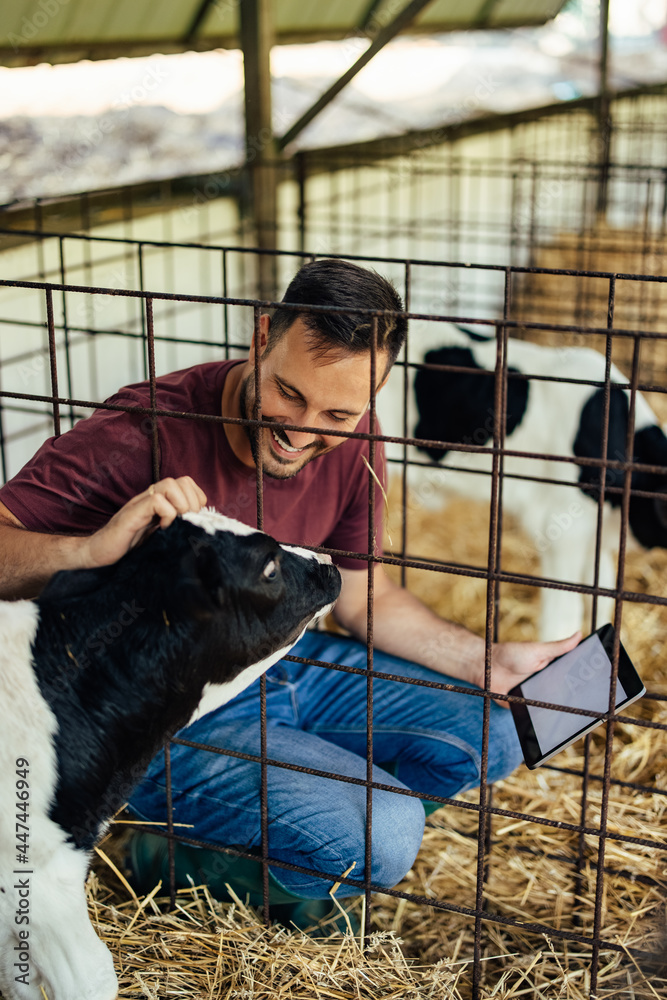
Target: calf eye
[(270, 571)]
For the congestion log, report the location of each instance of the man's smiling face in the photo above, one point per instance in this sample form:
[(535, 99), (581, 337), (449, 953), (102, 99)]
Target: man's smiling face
[(302, 386)]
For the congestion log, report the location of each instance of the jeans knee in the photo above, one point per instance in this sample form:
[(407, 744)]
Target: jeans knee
[(398, 828), (504, 748)]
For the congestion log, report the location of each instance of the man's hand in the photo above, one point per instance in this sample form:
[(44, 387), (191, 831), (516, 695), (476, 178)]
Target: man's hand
[(155, 507), (513, 662), (30, 558)]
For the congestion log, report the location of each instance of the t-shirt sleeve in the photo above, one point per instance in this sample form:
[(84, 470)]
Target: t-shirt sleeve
[(351, 532), (77, 481)]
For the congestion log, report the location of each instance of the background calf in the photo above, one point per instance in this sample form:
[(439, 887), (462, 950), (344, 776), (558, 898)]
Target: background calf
[(546, 417)]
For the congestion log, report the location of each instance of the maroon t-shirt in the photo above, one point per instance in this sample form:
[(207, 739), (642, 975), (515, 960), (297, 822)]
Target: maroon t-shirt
[(77, 481)]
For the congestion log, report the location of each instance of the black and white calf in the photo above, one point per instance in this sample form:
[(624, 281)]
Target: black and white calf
[(546, 417), (95, 676)]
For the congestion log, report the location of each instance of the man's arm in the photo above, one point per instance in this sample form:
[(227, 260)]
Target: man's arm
[(405, 627), (28, 559)]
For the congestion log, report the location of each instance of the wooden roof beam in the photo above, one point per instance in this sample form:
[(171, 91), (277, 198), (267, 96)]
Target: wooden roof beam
[(257, 38), (485, 13), (367, 19), (197, 21), (382, 148), (400, 22)]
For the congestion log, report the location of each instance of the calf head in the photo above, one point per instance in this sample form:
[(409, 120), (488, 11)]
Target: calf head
[(459, 406), (255, 597)]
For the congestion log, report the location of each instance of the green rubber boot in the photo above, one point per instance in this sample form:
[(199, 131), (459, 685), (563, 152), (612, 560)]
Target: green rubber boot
[(391, 767), (148, 860)]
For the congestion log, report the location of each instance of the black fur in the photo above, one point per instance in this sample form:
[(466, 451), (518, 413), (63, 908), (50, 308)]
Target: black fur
[(588, 442), (122, 653), (458, 407), (647, 515)]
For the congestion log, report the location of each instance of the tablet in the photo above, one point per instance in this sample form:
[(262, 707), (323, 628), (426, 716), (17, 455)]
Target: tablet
[(579, 679)]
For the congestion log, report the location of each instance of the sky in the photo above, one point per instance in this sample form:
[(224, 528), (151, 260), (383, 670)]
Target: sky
[(198, 82)]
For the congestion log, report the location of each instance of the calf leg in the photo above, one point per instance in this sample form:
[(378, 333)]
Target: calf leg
[(572, 560), (565, 558), (66, 959), (605, 605)]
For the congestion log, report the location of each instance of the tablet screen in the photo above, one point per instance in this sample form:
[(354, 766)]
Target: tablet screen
[(580, 679)]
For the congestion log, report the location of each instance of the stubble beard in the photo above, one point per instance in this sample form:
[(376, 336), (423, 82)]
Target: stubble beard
[(254, 435)]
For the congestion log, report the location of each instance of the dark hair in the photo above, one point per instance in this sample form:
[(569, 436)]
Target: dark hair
[(347, 286)]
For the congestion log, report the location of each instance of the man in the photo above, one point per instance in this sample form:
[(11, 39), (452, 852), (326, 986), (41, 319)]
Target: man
[(91, 486)]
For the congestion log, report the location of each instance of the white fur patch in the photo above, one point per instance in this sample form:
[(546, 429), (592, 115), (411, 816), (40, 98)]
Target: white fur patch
[(28, 724), (67, 961), (66, 957), (211, 521), (216, 695), (307, 553)]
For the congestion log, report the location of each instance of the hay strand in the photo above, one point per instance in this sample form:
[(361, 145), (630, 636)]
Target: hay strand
[(208, 949)]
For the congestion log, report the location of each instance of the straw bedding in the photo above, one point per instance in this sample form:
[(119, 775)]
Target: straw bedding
[(209, 950), (205, 949)]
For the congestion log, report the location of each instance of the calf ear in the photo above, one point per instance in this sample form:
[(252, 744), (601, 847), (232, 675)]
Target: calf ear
[(202, 590)]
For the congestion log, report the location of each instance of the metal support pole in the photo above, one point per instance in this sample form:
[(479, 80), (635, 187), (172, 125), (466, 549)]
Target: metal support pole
[(400, 22), (256, 41), (604, 109)]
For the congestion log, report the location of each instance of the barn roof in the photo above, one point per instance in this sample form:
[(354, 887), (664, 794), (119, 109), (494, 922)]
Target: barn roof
[(68, 30)]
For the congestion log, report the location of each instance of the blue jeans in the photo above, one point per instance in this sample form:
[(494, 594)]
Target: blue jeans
[(316, 717)]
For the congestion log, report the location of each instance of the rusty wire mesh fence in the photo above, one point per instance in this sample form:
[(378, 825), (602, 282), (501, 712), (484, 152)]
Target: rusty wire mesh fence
[(66, 345)]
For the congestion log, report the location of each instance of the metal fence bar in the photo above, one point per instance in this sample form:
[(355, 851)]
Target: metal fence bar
[(31, 324), (492, 695), (578, 882), (155, 476), (140, 266), (150, 360), (418, 442), (412, 563), (299, 256), (53, 361), (625, 509), (491, 627), (621, 838), (428, 901), (3, 440), (225, 308), (370, 615), (264, 786), (65, 326), (494, 574), (406, 429)]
